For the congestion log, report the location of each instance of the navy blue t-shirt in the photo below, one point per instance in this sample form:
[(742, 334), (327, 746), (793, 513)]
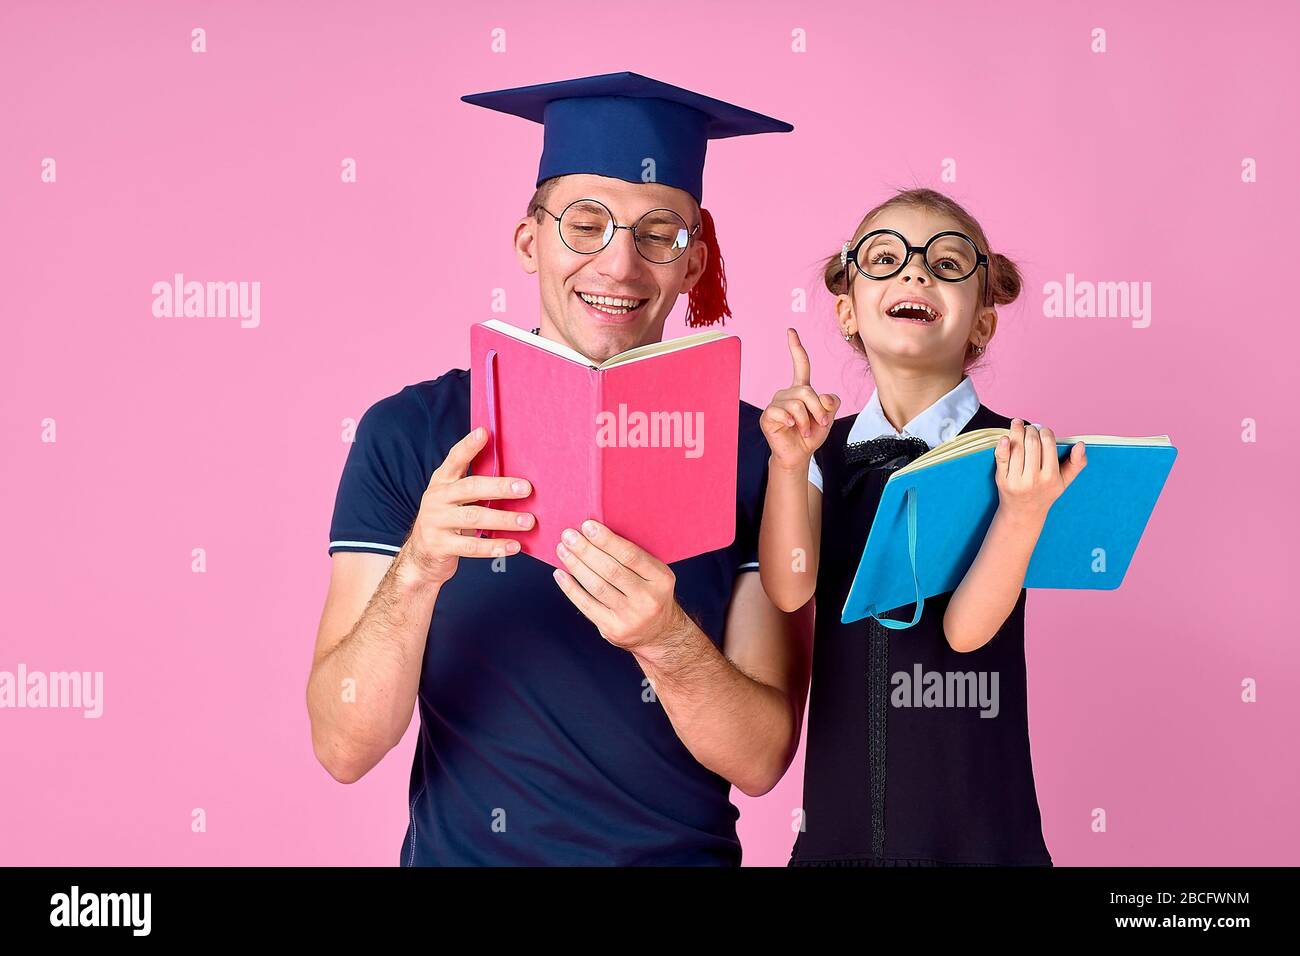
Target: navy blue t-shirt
[(540, 742)]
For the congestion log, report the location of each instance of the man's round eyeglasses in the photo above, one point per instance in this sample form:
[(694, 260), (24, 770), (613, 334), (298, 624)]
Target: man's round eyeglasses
[(586, 226)]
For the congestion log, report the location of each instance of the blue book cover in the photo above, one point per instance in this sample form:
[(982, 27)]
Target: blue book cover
[(934, 513)]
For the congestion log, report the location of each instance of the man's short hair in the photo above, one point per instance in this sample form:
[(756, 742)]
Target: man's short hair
[(541, 197)]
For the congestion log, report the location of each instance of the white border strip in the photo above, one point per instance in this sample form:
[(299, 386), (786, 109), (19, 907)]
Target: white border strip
[(366, 544)]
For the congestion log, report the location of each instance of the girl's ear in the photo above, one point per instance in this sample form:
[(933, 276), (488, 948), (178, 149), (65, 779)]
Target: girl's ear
[(526, 244), (844, 314), (986, 324)]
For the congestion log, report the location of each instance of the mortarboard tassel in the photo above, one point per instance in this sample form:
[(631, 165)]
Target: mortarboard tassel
[(708, 297)]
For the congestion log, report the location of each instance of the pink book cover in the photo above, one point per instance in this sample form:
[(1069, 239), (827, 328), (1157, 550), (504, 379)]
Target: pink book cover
[(645, 444)]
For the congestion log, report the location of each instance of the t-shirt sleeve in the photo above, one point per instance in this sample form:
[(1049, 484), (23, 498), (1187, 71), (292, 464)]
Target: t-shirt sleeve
[(384, 476), (747, 554), (814, 474), (751, 490)]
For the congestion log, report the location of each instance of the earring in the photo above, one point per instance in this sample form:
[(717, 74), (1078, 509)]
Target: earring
[(979, 350), (848, 336)]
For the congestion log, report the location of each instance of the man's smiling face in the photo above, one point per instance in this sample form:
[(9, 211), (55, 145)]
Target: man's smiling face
[(576, 289)]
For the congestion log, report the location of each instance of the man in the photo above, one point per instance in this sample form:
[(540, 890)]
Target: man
[(593, 717)]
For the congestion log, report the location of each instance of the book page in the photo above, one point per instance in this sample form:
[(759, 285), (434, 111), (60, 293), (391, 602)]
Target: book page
[(661, 348), (983, 438), (631, 355), (524, 335)]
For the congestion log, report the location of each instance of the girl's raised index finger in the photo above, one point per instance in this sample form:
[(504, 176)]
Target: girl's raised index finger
[(802, 367)]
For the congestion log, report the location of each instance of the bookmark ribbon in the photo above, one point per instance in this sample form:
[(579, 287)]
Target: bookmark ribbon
[(911, 557), (489, 371), (492, 411)]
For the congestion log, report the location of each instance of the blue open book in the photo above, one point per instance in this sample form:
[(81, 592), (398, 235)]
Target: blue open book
[(934, 512)]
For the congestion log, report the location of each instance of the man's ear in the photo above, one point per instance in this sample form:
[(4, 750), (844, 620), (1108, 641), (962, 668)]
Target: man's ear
[(697, 257), (526, 244)]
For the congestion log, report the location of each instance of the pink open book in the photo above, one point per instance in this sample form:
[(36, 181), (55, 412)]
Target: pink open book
[(644, 442)]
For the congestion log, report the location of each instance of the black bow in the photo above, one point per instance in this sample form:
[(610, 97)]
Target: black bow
[(886, 454)]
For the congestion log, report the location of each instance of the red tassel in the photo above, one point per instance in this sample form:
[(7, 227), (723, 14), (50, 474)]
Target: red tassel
[(708, 297)]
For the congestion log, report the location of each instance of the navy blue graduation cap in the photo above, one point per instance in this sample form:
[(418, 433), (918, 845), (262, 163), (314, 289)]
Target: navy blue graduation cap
[(609, 125)]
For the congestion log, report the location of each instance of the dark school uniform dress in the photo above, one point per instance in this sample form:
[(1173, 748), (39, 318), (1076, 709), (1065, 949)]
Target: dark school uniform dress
[(893, 785), (540, 742)]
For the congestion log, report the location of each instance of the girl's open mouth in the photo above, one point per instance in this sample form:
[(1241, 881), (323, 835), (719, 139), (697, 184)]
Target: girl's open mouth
[(915, 312)]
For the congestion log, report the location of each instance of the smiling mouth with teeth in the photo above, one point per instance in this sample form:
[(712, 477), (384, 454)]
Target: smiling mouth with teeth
[(912, 311), (612, 305)]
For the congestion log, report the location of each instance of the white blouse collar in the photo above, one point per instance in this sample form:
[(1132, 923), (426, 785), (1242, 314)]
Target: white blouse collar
[(934, 426)]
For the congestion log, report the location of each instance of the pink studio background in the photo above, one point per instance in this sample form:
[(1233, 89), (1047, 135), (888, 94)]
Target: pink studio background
[(176, 434)]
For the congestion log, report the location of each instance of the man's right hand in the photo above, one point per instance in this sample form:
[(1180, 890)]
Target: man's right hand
[(446, 529)]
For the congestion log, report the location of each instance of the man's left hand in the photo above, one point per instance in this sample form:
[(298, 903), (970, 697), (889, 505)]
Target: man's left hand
[(624, 590)]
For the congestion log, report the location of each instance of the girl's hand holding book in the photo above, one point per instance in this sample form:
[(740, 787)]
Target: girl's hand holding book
[(1029, 475), (798, 419)]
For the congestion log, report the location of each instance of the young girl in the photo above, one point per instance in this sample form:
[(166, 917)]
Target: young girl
[(893, 776)]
